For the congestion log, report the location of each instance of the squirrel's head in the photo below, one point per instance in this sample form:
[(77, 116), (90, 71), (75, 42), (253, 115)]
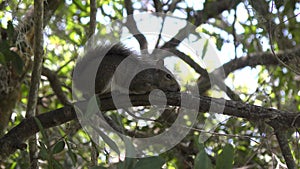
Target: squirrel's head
[(154, 78)]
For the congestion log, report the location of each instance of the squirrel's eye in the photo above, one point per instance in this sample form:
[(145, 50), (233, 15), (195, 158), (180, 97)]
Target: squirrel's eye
[(168, 76)]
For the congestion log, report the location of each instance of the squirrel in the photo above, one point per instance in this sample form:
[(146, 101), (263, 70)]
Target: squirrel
[(148, 75)]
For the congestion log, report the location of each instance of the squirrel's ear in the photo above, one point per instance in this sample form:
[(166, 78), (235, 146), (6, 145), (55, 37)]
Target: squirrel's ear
[(160, 63)]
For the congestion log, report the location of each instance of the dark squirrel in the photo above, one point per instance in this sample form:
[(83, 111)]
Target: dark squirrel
[(154, 75)]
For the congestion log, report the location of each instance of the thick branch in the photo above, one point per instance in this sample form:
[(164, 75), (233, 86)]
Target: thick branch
[(16, 137)]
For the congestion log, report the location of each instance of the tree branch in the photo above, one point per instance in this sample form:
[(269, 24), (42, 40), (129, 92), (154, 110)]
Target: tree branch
[(231, 94), (56, 85), (210, 10), (157, 5), (252, 60), (284, 147), (132, 27), (93, 22), (16, 137), (35, 77)]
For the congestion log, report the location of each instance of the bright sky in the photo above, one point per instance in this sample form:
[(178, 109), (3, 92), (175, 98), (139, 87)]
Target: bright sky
[(246, 77)]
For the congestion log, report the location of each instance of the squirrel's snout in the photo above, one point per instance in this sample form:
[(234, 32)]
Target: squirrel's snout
[(174, 88)]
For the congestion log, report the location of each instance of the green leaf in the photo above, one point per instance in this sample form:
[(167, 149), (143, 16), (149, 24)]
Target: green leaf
[(79, 5), (56, 164), (202, 161), (220, 43), (43, 154), (71, 154), (199, 145), (150, 163), (130, 149), (98, 167), (4, 47), (225, 159), (126, 164), (59, 146), (10, 30), (129, 162), (2, 59), (204, 49), (73, 157), (17, 62), (108, 141), (92, 108), (41, 128), (13, 165), (10, 56)]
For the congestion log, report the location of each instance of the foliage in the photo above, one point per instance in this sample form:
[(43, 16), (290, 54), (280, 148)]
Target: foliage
[(235, 142)]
